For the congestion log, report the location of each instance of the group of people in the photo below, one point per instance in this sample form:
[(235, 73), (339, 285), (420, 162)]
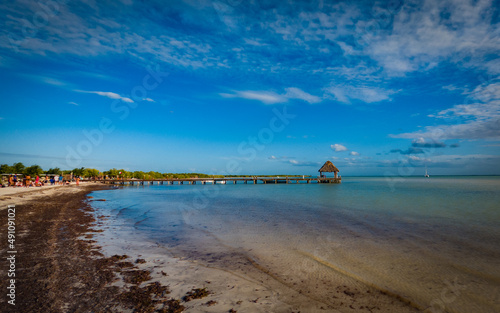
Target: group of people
[(28, 181)]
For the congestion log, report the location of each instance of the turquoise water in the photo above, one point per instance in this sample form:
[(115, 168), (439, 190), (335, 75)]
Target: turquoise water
[(434, 242)]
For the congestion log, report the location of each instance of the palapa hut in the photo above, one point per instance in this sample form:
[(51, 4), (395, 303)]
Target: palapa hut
[(328, 167)]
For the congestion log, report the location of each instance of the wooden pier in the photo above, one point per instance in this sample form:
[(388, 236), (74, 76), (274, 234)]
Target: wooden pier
[(225, 181)]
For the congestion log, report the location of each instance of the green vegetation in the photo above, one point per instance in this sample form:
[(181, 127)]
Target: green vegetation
[(33, 170), (19, 168)]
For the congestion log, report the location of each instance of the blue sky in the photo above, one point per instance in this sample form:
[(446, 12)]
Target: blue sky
[(252, 87)]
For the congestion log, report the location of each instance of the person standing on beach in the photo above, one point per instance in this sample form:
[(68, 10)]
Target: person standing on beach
[(37, 181), (60, 179), (15, 180), (78, 180), (11, 180)]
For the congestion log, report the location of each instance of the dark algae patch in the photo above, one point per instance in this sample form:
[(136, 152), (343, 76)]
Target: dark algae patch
[(172, 306), (197, 293), (145, 299), (136, 276)]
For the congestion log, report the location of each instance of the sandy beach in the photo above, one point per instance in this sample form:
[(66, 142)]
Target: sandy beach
[(70, 259)]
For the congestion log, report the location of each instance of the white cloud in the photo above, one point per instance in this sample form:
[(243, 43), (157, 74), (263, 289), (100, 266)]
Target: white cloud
[(478, 119), (346, 94), (148, 99), (109, 94), (265, 97), (338, 147), (353, 153), (450, 29), (270, 97), (73, 103), (272, 157), (296, 93)]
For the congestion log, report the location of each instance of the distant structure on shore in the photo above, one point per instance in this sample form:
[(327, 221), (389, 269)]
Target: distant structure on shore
[(328, 167)]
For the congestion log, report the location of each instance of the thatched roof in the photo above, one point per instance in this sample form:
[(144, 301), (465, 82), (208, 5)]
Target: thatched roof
[(328, 167)]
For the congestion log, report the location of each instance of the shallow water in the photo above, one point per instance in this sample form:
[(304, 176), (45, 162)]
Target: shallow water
[(433, 242)]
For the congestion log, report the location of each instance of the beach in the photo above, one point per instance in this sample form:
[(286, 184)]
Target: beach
[(78, 253)]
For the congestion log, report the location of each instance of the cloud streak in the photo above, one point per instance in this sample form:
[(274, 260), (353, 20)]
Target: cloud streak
[(271, 97), (108, 94)]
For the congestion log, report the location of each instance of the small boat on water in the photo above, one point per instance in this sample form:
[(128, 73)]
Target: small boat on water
[(426, 174)]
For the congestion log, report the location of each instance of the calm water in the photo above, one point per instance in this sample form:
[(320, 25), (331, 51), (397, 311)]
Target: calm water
[(432, 241)]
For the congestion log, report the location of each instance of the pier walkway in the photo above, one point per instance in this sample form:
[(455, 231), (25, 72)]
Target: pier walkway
[(225, 180)]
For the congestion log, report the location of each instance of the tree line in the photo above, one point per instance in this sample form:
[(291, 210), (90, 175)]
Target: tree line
[(34, 170)]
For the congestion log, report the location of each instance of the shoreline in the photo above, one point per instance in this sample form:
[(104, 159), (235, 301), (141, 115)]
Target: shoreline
[(70, 258), (59, 267)]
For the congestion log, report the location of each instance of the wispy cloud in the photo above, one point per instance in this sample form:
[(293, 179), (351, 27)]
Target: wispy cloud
[(271, 97), (354, 153), (45, 79), (296, 93), (478, 119), (451, 29), (73, 103), (347, 94), (109, 94), (266, 97), (334, 35)]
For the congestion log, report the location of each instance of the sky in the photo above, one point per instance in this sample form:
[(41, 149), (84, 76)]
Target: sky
[(252, 87)]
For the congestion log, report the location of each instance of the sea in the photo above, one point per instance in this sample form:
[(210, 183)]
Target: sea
[(431, 242)]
